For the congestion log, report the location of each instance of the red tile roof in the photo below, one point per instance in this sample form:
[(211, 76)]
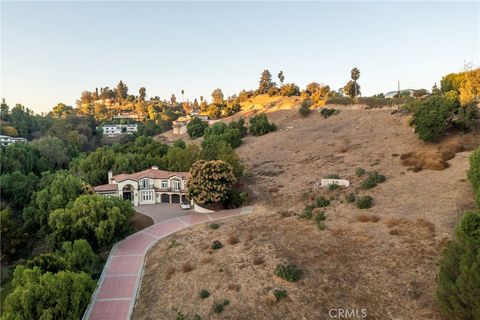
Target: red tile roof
[(105, 188), (150, 173)]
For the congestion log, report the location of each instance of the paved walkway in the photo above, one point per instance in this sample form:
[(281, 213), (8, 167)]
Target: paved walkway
[(162, 211), (117, 288)]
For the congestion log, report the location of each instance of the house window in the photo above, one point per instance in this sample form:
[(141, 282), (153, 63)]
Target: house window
[(164, 184), (147, 195), (145, 183), (176, 184)]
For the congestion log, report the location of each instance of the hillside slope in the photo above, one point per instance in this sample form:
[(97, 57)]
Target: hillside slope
[(382, 259)]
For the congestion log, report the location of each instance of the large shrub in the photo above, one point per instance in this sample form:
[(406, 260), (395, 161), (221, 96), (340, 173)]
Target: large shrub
[(434, 115), (209, 181), (196, 128), (63, 295), (304, 109), (259, 125), (474, 172), (99, 220), (289, 89), (221, 132), (458, 280)]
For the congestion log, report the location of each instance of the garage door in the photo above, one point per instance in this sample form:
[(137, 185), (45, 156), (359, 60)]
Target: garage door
[(175, 198), (165, 198)]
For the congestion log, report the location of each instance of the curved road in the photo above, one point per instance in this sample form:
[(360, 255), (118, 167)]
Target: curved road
[(117, 288)]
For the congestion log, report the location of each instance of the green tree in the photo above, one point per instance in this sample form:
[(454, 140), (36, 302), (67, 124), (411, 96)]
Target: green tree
[(63, 295), (121, 92), (61, 110), (209, 181), (78, 256), (217, 149), (17, 188), (259, 125), (265, 83), (142, 93), (11, 234), (289, 89), (179, 144), (58, 191), (196, 128), (352, 89), (281, 77), (220, 131), (217, 96), (458, 280), (53, 149), (4, 110), (99, 220)]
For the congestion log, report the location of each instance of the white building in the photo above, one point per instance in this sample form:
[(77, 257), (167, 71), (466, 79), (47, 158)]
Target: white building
[(113, 130), (7, 140), (147, 187)]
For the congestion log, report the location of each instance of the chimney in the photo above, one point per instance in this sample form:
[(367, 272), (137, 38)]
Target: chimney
[(110, 177), (154, 167)]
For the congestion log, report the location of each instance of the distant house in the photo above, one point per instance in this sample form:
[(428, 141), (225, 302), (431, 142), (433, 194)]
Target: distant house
[(393, 94), (180, 125), (7, 140), (147, 187), (114, 130)]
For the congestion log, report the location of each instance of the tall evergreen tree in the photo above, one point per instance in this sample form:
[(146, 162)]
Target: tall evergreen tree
[(142, 93), (266, 82), (121, 92)]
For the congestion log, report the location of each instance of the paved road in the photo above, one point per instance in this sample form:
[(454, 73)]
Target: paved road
[(117, 288), (161, 212)]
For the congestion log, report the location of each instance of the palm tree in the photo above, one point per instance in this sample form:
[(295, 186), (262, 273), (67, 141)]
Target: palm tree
[(355, 74), (183, 97)]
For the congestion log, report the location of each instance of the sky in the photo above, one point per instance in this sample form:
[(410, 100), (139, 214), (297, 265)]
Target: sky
[(52, 51)]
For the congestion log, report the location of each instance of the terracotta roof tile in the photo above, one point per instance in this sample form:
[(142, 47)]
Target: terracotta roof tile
[(105, 188), (150, 173)]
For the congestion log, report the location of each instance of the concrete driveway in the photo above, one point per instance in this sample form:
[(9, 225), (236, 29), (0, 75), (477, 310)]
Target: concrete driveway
[(162, 211)]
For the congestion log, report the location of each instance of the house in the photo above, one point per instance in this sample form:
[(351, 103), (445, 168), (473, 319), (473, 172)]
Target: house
[(113, 130), (7, 140), (147, 187), (129, 115), (180, 125)]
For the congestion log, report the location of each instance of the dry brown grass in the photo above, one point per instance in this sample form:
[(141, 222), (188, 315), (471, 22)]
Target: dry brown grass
[(368, 218), (395, 232), (169, 272), (206, 259), (234, 286), (233, 239), (273, 190), (258, 260), (187, 267)]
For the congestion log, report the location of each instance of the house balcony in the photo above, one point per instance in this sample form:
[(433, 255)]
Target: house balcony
[(169, 189)]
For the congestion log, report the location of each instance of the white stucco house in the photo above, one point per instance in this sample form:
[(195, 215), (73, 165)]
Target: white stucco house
[(7, 140), (113, 130), (147, 187)]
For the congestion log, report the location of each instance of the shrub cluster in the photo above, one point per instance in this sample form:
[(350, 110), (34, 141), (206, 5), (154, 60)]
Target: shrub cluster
[(350, 198), (474, 174), (304, 109), (289, 272), (360, 172), (196, 128), (326, 112), (259, 125), (280, 294), (203, 294), (216, 245), (372, 180), (365, 202)]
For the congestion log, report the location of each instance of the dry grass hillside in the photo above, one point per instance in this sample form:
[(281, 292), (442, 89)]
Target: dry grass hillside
[(383, 259)]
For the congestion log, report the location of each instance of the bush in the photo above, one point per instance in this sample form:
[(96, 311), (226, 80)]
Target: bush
[(196, 128), (289, 89), (365, 202), (259, 125), (99, 220), (289, 272), (326, 112), (350, 198), (360, 172), (204, 294), (218, 307), (280, 294), (216, 245), (332, 176), (209, 181), (304, 109), (234, 199), (322, 202), (214, 226), (63, 295), (458, 280), (333, 186), (221, 132), (319, 220), (474, 171), (373, 179), (307, 213)]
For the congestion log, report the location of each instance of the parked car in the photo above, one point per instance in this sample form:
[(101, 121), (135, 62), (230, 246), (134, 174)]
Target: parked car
[(185, 205)]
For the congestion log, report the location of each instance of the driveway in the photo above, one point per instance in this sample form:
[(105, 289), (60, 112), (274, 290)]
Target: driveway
[(118, 286), (162, 211)]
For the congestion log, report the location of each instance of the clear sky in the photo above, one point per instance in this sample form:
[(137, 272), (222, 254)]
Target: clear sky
[(52, 51)]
